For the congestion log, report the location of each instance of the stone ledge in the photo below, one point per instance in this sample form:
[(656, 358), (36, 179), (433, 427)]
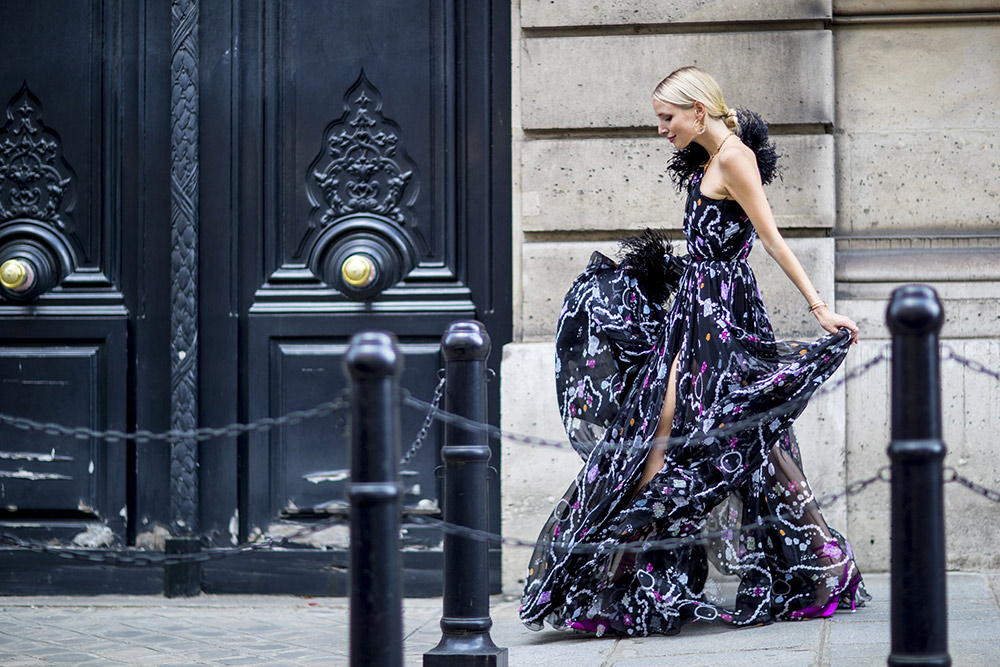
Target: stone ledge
[(910, 6), (613, 184), (918, 265), (607, 82), (544, 13), (969, 318)]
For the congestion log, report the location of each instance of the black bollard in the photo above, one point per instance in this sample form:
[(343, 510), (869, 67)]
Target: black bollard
[(466, 621), (182, 580), (373, 364), (919, 605)]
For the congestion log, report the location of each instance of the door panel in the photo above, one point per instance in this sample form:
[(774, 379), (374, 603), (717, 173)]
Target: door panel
[(313, 457), (69, 188), (74, 381), (360, 114)]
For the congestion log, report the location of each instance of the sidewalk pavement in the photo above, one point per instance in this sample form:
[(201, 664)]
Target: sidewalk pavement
[(281, 630)]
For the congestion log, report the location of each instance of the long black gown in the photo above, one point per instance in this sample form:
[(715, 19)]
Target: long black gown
[(615, 346)]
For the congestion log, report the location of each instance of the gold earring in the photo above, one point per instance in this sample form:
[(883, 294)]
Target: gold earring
[(699, 125)]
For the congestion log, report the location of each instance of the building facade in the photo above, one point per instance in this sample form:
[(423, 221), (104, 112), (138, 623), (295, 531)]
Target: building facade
[(885, 112)]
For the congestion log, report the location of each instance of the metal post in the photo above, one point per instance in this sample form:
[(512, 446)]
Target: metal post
[(466, 622), (373, 363), (919, 605), (182, 579)]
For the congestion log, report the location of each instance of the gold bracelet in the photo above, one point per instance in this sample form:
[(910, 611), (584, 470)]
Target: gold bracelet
[(816, 305)]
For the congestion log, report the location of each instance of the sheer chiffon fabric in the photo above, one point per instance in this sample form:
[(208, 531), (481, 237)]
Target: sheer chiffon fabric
[(732, 468)]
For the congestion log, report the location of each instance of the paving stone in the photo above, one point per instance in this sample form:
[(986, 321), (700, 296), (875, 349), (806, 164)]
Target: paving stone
[(876, 611), (968, 585), (235, 631), (744, 659)]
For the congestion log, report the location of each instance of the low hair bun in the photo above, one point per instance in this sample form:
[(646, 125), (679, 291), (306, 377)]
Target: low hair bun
[(732, 121)]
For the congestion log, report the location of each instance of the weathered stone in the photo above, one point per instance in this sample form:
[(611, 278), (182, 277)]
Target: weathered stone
[(918, 265), (615, 184), (545, 13), (969, 412), (917, 123), (907, 6), (534, 477), (867, 437), (786, 306), (934, 78), (547, 270), (898, 182), (607, 82)]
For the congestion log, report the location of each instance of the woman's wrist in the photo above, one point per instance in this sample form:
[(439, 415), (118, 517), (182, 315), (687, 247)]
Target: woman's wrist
[(816, 306)]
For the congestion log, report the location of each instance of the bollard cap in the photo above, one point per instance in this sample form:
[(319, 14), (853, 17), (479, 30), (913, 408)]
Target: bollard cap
[(373, 354), (914, 310), (465, 340)]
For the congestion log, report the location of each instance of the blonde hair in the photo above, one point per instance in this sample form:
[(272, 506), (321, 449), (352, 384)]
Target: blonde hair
[(687, 85)]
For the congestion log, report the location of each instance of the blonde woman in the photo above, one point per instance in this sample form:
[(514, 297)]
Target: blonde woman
[(683, 413)]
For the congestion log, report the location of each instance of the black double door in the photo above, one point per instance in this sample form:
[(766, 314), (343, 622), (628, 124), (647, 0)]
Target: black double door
[(200, 204)]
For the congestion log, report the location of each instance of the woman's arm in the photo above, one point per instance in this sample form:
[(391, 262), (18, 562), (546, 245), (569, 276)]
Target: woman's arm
[(741, 181)]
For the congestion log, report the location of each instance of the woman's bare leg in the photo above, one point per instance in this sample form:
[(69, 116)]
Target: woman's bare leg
[(654, 460)]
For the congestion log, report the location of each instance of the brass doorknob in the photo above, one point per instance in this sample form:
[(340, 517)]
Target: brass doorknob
[(358, 270), (14, 273)]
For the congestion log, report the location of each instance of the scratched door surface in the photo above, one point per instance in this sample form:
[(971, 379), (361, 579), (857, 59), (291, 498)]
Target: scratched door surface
[(382, 120), (75, 188), (307, 133)]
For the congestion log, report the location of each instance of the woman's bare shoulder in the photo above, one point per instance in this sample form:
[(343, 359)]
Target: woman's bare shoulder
[(737, 160)]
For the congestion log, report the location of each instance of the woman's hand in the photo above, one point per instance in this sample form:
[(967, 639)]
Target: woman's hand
[(833, 322)]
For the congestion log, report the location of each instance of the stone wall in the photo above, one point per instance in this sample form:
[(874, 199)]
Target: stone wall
[(886, 115)]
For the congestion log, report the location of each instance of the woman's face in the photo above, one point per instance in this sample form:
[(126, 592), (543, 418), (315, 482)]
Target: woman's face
[(675, 123)]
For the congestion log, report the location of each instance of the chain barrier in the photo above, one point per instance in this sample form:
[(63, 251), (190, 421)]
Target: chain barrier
[(199, 434), (719, 432), (971, 364), (666, 544), (139, 558), (951, 476), (434, 412), (431, 414)]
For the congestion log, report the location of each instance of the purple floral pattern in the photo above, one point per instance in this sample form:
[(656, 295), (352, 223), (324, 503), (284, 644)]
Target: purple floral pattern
[(590, 571)]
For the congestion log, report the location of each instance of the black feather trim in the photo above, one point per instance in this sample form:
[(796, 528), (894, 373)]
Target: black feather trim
[(650, 259), (690, 160)]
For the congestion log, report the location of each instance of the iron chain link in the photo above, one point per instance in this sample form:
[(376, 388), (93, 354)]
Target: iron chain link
[(730, 429), (434, 412), (952, 476), (138, 558), (431, 414), (665, 544), (971, 364), (199, 434)]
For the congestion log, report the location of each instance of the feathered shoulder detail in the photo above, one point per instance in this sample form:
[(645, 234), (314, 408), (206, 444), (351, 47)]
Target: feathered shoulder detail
[(649, 258), (688, 161)]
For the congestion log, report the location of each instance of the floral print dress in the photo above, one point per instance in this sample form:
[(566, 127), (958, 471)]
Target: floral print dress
[(613, 559)]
